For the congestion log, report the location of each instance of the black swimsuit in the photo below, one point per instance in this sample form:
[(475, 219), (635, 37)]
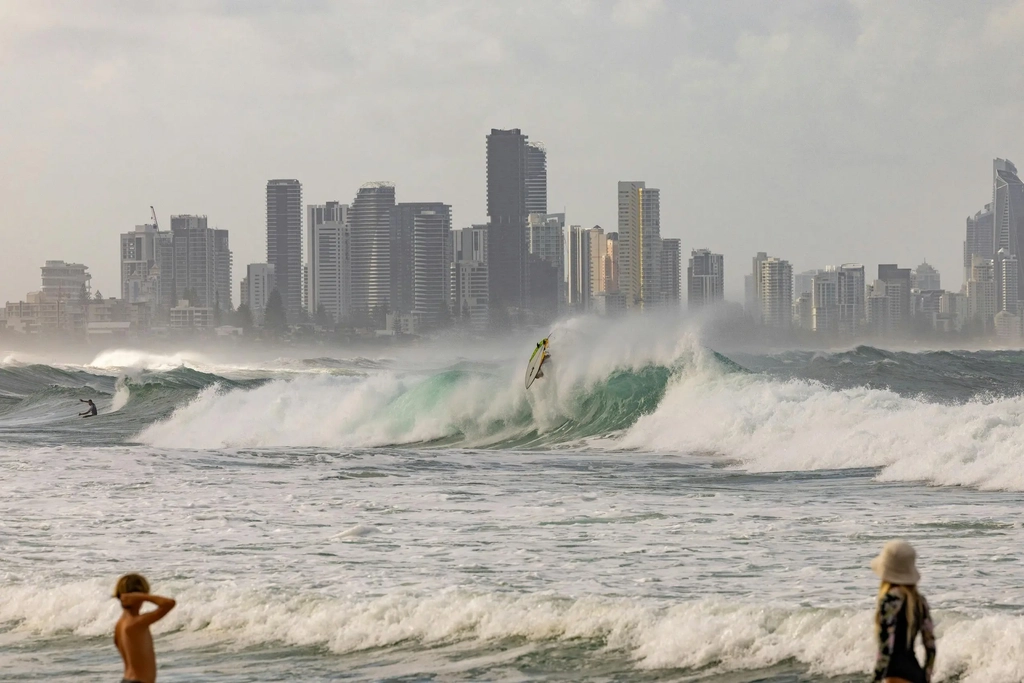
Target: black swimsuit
[(895, 658)]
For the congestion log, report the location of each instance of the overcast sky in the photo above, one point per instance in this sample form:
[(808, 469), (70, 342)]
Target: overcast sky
[(821, 131)]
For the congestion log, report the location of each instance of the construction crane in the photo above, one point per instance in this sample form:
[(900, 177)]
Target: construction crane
[(153, 211)]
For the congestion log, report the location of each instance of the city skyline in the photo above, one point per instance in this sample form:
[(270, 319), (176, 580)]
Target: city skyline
[(770, 95)]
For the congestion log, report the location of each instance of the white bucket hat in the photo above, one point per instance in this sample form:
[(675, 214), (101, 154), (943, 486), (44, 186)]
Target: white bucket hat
[(896, 563)]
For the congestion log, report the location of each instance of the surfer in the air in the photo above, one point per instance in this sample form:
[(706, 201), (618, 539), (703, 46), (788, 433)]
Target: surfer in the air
[(542, 347), (91, 412)]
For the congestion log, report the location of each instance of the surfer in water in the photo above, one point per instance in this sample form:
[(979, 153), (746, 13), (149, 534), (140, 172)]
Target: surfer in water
[(91, 412), (902, 614)]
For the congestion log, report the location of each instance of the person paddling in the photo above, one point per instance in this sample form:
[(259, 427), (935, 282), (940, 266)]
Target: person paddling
[(902, 613), (91, 410)]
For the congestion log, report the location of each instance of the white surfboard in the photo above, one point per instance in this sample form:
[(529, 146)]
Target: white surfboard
[(536, 360)]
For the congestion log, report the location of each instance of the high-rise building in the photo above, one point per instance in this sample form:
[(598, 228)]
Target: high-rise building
[(776, 289), (432, 259), (825, 302), (330, 266), (850, 297), (670, 272), (639, 243), (753, 292), (201, 268), (63, 281), (334, 213), (546, 264), (507, 212), (1009, 287), (980, 236), (803, 282), (705, 278), (580, 284), (147, 268), (370, 253), (981, 292), (611, 274), (469, 276), (925, 278), (1008, 217), (803, 312), (259, 283), (897, 289), (536, 178), (284, 241), (598, 260), (403, 219)]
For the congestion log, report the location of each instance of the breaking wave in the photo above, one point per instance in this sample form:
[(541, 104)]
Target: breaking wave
[(710, 636)]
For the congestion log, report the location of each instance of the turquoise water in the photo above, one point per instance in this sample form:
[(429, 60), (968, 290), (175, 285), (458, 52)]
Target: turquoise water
[(651, 514)]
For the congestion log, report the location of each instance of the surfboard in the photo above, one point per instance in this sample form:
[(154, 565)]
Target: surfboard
[(536, 360)]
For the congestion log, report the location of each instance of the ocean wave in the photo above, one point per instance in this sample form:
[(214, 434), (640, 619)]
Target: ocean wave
[(712, 635)]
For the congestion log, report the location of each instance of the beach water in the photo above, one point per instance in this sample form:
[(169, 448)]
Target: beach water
[(651, 510)]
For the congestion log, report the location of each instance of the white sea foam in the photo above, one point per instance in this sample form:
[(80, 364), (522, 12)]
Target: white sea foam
[(709, 634), (772, 425), (765, 424), (387, 408), (144, 360)]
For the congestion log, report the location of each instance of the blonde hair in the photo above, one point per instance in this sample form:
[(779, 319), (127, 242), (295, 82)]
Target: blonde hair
[(913, 604), (131, 583)]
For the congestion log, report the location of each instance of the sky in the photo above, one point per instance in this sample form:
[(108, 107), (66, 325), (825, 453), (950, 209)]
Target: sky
[(820, 131)]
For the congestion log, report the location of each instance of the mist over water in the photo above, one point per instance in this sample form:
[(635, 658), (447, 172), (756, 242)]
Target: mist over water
[(657, 507)]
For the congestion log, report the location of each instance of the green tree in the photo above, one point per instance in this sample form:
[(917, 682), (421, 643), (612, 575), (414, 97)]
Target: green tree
[(98, 296), (323, 318), (274, 318), (444, 315), (243, 317), (83, 294)]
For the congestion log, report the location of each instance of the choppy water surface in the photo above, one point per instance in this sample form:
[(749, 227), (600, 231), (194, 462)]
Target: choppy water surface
[(655, 511)]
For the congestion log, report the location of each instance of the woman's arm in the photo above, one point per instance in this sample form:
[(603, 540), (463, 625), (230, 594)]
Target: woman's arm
[(888, 608)]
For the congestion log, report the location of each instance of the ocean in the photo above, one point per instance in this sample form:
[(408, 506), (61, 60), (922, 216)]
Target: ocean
[(656, 508)]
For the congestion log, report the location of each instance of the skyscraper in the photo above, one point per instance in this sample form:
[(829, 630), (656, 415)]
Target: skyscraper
[(259, 283), (469, 276), (536, 178), (284, 241), (669, 274), (403, 220), (851, 298), (825, 302), (330, 267), (202, 262), (897, 289), (981, 292), (925, 278), (579, 284), (980, 236), (431, 287), (639, 243), (598, 266), (1009, 288), (316, 215), (705, 279), (147, 263), (545, 282), (753, 287), (611, 276), (776, 288), (370, 254), (507, 212), (1008, 219)]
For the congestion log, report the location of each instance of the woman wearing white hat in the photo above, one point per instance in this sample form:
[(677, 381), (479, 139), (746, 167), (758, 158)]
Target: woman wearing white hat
[(902, 614)]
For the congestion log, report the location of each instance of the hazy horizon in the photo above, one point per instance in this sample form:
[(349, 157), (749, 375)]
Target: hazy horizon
[(820, 132)]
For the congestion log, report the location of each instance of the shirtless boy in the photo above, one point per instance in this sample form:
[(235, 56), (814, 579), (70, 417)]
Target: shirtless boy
[(131, 634)]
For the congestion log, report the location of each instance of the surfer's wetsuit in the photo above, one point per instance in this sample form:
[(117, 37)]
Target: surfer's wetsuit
[(92, 408), (895, 658)]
